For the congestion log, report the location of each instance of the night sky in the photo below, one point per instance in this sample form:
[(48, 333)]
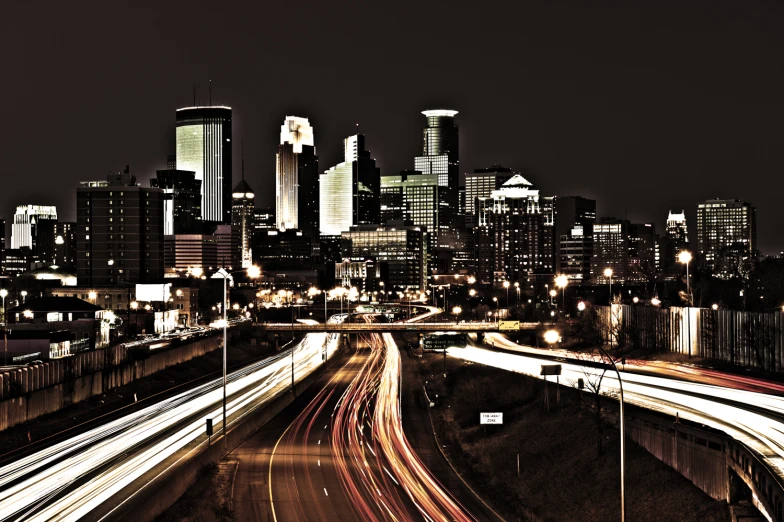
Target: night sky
[(645, 108)]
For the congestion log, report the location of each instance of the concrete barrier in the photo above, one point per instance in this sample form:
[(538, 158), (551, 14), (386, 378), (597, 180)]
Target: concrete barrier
[(82, 376)]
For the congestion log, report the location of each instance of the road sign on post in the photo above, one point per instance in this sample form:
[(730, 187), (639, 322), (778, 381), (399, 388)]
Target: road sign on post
[(550, 369), (491, 418), (507, 326)]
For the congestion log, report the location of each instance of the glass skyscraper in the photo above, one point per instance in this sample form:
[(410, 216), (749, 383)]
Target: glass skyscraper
[(203, 138), (33, 228), (349, 191)]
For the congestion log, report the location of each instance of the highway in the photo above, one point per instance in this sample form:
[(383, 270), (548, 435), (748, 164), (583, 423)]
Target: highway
[(76, 478), (751, 417)]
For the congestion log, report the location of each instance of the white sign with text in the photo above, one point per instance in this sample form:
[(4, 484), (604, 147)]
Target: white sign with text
[(491, 418)]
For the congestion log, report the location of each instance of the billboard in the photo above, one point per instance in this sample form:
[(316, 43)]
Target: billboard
[(491, 418), (153, 293), (508, 325)]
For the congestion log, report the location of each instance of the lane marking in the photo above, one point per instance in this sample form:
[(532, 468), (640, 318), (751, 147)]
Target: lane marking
[(319, 462), (325, 492)]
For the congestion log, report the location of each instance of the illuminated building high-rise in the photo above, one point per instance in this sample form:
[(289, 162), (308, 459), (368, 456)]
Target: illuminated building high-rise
[(65, 244), (243, 219), (677, 231), (479, 184), (726, 234), (204, 147), (441, 157), (296, 184), (33, 228), (349, 191)]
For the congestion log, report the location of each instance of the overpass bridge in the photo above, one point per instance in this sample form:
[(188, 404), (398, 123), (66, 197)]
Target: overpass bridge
[(504, 326)]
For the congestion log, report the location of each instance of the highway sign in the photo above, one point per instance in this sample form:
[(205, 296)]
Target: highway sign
[(550, 369), (491, 418), (508, 325)]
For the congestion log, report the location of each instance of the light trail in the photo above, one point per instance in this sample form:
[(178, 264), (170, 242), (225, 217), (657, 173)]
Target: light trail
[(753, 418), (70, 479)]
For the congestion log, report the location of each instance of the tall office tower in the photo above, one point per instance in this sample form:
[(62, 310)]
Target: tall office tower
[(726, 235), (676, 230), (441, 157), (181, 201), (204, 147), (243, 219), (570, 212), (65, 244), (480, 184), (610, 250), (119, 232), (296, 186), (33, 228), (349, 192), (2, 246), (642, 252), (510, 234), (575, 253)]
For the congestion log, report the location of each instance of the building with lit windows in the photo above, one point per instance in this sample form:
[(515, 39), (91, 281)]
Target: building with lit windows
[(399, 251), (441, 158), (181, 201), (726, 235), (296, 182), (263, 219), (65, 244), (511, 236), (642, 252), (575, 253), (203, 136), (2, 247), (349, 192), (610, 250), (33, 228), (119, 232), (480, 184), (677, 231), (243, 202)]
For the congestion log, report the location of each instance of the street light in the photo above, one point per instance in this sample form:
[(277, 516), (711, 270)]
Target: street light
[(3, 294), (685, 257), (714, 306), (506, 285), (496, 308), (553, 293), (472, 292), (92, 296), (608, 273), (24, 295), (517, 287), (561, 281), (581, 306), (223, 274)]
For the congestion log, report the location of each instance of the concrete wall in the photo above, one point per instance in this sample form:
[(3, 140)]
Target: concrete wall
[(29, 392)]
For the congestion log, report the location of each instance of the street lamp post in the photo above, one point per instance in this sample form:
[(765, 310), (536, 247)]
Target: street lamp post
[(3, 294), (506, 285), (253, 272), (609, 273), (495, 299), (561, 281), (685, 257), (517, 288), (623, 436)]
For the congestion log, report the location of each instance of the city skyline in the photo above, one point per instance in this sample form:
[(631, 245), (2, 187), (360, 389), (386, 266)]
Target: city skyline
[(585, 117)]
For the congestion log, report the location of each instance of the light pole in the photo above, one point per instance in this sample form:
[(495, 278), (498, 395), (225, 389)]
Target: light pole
[(3, 294), (623, 437), (517, 287), (506, 285), (253, 272), (24, 295), (685, 257), (553, 293), (561, 281), (495, 299), (608, 273)]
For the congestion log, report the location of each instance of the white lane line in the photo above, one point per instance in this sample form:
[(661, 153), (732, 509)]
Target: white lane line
[(319, 462), (325, 492), (319, 441)]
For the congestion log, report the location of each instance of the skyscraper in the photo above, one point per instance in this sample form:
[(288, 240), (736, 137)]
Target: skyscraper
[(676, 230), (296, 185), (181, 201), (243, 218), (349, 192), (441, 157), (204, 147), (480, 184), (571, 212), (33, 228), (511, 242), (610, 250), (2, 246), (119, 232), (726, 234)]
